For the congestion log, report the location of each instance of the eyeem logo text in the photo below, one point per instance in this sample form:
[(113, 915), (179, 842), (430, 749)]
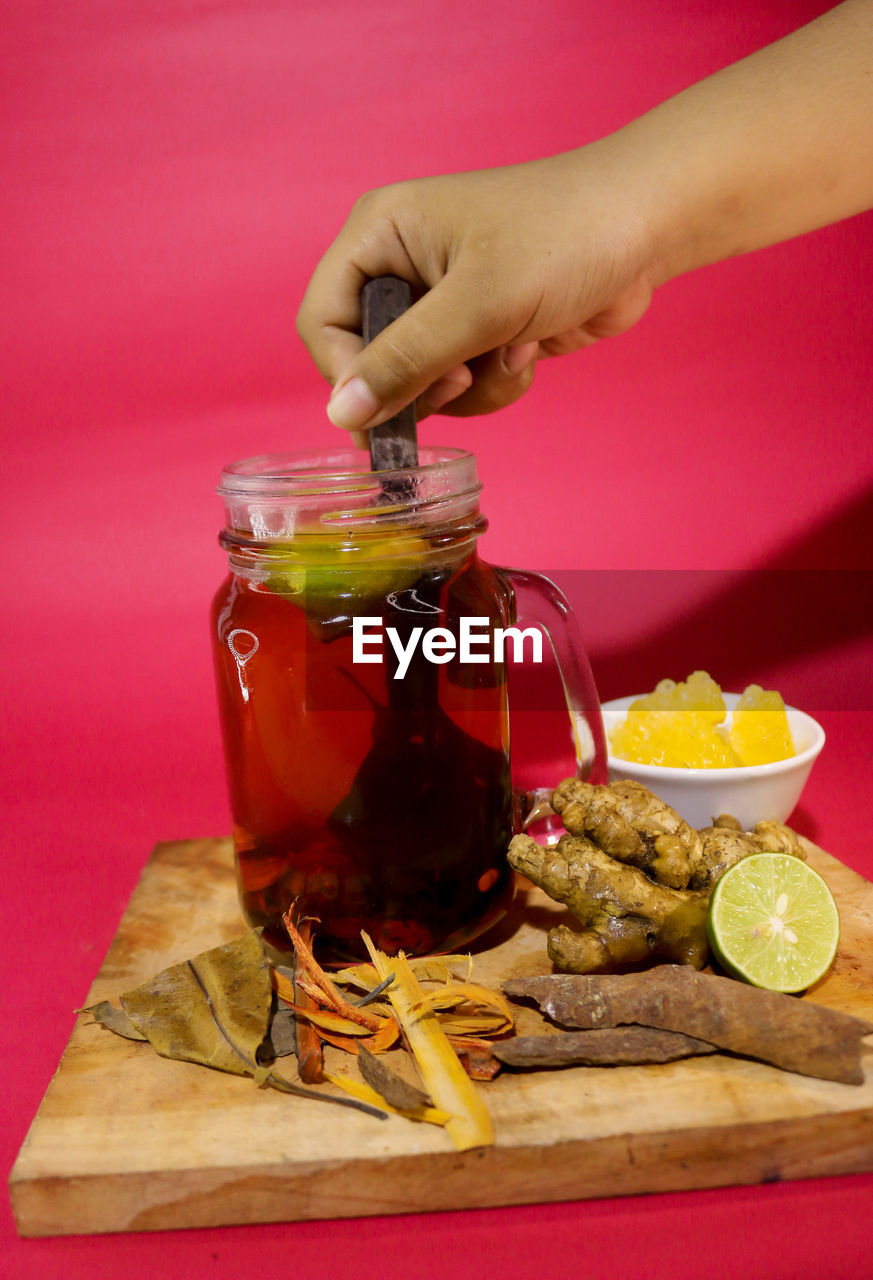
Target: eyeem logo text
[(473, 642)]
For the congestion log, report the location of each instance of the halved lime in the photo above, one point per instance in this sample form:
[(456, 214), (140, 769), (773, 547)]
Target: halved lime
[(773, 922)]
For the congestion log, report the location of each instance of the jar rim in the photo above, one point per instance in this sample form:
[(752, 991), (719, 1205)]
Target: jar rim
[(306, 472)]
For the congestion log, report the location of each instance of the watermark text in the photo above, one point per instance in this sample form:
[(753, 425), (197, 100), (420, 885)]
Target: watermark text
[(473, 641)]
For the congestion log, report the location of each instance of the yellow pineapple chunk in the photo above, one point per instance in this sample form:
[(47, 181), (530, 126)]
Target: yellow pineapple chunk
[(684, 726), (760, 732), (699, 694), (677, 725)]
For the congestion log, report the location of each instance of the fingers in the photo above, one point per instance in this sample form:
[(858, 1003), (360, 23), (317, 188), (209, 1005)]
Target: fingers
[(448, 387), (489, 302), (424, 351), (493, 382), (369, 245), (498, 379)]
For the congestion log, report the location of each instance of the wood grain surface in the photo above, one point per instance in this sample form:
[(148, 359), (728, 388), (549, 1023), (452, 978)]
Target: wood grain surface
[(127, 1141)]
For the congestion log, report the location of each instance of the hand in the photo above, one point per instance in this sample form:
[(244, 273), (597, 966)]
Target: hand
[(543, 258), (507, 265)]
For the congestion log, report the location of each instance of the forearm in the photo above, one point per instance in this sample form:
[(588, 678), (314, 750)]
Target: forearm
[(771, 147), (543, 258)]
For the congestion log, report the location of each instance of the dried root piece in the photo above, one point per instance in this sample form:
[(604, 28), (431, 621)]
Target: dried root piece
[(627, 917), (606, 1047), (793, 1034)]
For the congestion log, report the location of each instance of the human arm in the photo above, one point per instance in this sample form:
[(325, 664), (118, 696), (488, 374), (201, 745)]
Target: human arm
[(543, 258)]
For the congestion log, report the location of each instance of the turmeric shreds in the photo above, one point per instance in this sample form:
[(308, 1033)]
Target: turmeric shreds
[(310, 1058), (385, 1038), (332, 995), (441, 1072), (368, 1096), (442, 1028)]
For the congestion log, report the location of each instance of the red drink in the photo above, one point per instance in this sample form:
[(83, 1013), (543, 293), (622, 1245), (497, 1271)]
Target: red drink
[(374, 794), (374, 803)]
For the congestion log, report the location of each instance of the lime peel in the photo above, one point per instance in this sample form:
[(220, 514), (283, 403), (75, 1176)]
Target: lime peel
[(773, 922)]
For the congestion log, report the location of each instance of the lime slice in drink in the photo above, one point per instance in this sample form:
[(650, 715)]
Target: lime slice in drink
[(329, 575), (773, 922)]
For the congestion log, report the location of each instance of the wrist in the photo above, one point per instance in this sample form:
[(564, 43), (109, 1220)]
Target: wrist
[(617, 210)]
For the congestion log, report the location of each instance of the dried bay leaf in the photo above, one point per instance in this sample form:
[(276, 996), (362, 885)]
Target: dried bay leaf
[(115, 1019), (213, 1009)]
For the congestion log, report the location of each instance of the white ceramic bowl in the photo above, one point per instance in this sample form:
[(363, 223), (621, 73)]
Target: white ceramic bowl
[(751, 793)]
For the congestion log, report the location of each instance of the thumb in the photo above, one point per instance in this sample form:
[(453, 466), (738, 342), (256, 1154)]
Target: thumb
[(441, 331)]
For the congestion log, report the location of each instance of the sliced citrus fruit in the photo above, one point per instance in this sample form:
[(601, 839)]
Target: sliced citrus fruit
[(773, 922), (329, 574)]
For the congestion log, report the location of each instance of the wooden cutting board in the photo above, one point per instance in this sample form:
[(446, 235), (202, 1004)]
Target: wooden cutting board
[(127, 1141)]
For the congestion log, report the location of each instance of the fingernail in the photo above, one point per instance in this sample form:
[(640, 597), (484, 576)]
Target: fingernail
[(352, 405), (360, 439), (518, 357)]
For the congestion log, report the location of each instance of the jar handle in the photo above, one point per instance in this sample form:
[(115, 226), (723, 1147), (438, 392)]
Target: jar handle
[(539, 602)]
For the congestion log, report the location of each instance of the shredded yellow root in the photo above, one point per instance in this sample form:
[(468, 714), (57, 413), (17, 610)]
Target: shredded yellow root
[(384, 1039), (364, 1093), (327, 1020), (322, 983), (477, 1011), (437, 1026), (425, 968), (442, 1075)]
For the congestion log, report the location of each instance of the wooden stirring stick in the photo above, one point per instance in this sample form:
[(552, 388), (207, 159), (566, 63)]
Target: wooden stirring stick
[(393, 444)]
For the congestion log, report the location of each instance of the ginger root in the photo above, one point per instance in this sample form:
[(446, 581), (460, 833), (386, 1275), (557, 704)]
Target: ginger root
[(627, 917), (631, 824), (635, 875)]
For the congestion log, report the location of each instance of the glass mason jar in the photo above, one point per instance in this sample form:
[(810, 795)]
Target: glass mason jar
[(363, 699)]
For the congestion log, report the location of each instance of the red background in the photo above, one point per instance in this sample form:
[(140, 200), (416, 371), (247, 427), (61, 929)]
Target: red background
[(172, 172)]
